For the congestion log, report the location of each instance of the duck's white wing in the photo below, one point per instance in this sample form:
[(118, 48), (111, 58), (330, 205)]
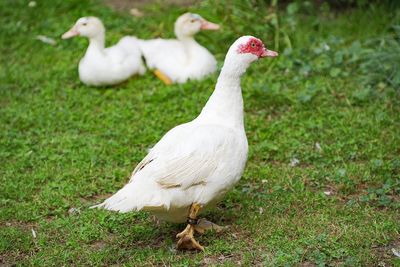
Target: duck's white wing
[(115, 55), (181, 171), (183, 157), (122, 51), (124, 58), (162, 54)]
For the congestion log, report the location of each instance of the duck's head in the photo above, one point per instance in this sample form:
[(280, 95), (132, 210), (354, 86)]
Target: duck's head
[(249, 48), (188, 24), (243, 52), (89, 27)]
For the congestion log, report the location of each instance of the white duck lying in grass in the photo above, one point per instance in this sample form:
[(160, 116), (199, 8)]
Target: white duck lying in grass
[(177, 60), (105, 66), (196, 163)]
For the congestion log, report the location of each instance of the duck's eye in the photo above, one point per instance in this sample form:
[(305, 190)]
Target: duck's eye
[(253, 44), (192, 20), (84, 24)]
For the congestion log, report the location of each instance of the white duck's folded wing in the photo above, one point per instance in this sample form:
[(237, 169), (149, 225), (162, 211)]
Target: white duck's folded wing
[(184, 172), (125, 56), (162, 54), (183, 155), (179, 160)]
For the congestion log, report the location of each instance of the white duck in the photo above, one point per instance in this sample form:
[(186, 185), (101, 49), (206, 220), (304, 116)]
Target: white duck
[(177, 60), (196, 163), (105, 66)]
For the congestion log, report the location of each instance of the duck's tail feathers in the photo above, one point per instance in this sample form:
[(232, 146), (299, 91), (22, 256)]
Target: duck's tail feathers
[(129, 199)]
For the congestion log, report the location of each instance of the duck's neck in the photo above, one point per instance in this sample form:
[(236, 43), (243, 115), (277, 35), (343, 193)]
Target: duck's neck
[(225, 106), (184, 38), (188, 44), (96, 43)]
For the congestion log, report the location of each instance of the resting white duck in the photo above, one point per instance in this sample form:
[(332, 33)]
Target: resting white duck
[(105, 66), (196, 163), (177, 60)]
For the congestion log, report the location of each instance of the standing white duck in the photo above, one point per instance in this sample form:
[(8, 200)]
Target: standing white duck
[(177, 60), (196, 163), (105, 66)]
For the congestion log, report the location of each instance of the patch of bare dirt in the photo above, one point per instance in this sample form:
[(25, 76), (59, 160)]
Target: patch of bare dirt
[(384, 252), (100, 244)]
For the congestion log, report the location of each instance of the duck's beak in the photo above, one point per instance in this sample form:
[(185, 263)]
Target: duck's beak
[(71, 33), (206, 25), (269, 53)]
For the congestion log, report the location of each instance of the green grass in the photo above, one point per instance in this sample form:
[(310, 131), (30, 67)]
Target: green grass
[(64, 145)]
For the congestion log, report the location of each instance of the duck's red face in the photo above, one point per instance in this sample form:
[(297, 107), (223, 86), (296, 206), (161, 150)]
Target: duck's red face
[(256, 47)]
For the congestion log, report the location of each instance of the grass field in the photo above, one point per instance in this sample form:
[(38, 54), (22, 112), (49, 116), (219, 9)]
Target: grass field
[(322, 182)]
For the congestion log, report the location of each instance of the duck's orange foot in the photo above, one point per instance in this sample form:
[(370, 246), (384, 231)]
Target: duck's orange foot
[(186, 240)]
